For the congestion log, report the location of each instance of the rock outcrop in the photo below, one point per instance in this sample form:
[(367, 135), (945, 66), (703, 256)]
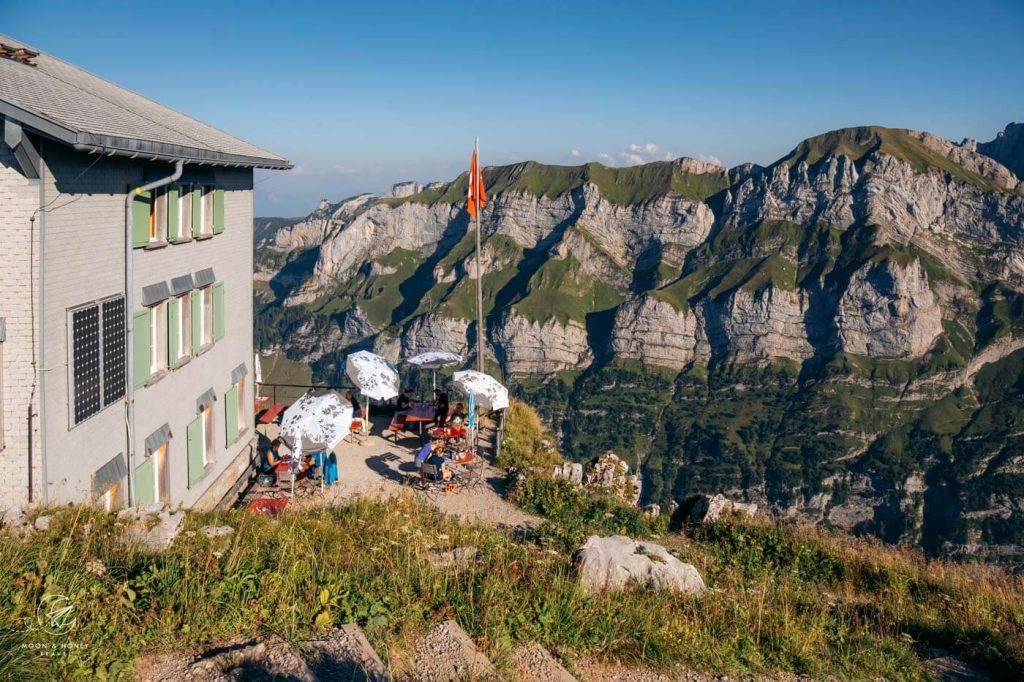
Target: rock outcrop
[(889, 311), (609, 474)]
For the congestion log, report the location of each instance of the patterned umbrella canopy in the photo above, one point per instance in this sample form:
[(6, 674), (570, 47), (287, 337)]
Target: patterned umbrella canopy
[(374, 376), (435, 359), (316, 422), (485, 389)]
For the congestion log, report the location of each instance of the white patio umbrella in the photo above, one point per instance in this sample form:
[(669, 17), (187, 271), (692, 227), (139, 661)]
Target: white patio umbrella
[(487, 391), (316, 422), (435, 360), (374, 376)]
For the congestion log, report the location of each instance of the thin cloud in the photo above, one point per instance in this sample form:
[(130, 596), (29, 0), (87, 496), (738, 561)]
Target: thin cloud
[(574, 153), (631, 159), (710, 158), (606, 159)]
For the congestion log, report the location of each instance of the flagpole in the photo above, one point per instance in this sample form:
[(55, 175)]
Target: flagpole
[(479, 270)]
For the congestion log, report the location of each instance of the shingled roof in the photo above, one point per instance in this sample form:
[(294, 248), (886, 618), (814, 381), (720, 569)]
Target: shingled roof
[(91, 114)]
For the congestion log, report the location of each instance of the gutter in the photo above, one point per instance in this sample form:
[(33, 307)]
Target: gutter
[(129, 276)]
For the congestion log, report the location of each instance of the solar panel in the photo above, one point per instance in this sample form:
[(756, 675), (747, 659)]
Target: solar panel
[(85, 325), (113, 350)]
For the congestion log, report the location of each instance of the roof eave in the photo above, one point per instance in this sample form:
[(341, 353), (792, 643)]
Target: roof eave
[(135, 148)]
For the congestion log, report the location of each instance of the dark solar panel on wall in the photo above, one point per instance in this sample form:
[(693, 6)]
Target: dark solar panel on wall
[(86, 355), (113, 350)]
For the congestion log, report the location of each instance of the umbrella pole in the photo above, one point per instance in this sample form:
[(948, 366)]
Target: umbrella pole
[(433, 378)]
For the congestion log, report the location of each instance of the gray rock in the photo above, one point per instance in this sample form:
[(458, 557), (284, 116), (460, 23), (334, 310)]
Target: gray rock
[(42, 523), (617, 562), (151, 531), (708, 508), (570, 471)]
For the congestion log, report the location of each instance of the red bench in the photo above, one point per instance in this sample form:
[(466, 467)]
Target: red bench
[(271, 413)]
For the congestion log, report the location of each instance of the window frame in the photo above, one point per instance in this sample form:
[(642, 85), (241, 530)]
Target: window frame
[(158, 346), (184, 213), (158, 217), (206, 211), (2, 441), (208, 438), (184, 327), (206, 307), (239, 407), (70, 348)]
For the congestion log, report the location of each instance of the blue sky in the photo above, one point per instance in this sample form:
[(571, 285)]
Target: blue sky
[(360, 95)]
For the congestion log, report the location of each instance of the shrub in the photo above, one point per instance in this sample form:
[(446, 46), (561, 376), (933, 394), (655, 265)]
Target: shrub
[(526, 444)]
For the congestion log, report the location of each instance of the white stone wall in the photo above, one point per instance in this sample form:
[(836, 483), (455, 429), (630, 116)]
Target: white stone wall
[(19, 197), (84, 262)]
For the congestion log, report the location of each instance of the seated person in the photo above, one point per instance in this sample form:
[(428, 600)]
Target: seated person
[(404, 401), (270, 457), (423, 453), (357, 409), (458, 415), (438, 460), (440, 407)]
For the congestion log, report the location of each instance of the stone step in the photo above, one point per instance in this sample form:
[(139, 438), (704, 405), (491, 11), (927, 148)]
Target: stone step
[(345, 655), (446, 653)]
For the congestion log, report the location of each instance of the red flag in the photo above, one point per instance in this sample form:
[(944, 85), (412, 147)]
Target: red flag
[(477, 197)]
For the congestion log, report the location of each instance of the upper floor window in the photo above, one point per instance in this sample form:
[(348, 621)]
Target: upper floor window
[(208, 211), (158, 217)]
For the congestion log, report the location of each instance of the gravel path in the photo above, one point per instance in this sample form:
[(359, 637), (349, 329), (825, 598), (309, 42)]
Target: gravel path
[(377, 468)]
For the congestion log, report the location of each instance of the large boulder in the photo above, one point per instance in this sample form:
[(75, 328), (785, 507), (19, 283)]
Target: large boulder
[(617, 562)]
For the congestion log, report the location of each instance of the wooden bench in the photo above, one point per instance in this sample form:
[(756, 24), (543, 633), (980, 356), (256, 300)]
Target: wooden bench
[(271, 413)]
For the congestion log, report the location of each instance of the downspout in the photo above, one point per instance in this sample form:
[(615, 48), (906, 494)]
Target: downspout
[(129, 277), (44, 484)]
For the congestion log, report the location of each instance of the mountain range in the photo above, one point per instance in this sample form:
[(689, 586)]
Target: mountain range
[(838, 336)]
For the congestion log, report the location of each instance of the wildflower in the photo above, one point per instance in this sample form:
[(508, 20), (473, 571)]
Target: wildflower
[(96, 567)]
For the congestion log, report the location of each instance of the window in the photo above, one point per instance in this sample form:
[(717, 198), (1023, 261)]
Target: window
[(112, 498), (158, 338), (240, 411), (183, 318), (184, 213), (207, 417), (207, 211), (158, 217), (151, 478), (97, 350), (206, 306)]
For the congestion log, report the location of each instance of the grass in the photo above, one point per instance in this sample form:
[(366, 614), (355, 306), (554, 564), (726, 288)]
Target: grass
[(563, 291), (810, 600), (526, 443), (806, 601)]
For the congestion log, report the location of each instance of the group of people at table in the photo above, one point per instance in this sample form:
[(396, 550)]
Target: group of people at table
[(440, 452)]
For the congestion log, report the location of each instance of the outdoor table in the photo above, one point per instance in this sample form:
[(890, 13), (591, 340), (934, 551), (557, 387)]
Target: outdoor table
[(449, 432), (420, 413)]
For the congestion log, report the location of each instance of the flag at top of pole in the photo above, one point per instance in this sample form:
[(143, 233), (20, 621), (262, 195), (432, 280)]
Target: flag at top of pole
[(477, 196)]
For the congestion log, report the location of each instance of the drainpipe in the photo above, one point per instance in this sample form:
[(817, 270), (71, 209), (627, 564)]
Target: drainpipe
[(129, 400)]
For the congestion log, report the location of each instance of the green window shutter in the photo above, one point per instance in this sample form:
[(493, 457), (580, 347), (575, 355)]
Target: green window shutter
[(145, 492), (218, 311), (172, 333), (140, 348), (172, 212), (140, 219), (197, 324), (197, 211), (218, 211), (195, 451), (231, 415)]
